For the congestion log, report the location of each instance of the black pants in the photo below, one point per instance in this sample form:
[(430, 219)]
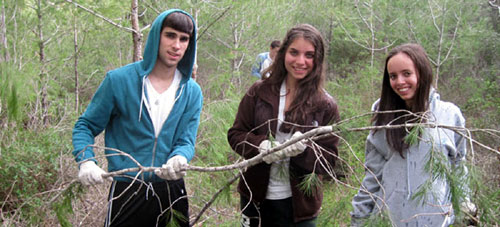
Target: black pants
[(147, 204), (270, 213)]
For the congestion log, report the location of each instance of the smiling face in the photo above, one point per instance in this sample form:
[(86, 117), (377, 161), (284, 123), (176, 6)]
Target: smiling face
[(173, 45), (299, 59), (403, 77)]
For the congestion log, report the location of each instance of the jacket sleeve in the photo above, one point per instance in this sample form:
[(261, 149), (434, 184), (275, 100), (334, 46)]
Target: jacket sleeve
[(458, 159), (241, 136), (319, 157), (364, 201), (460, 141), (93, 121), (190, 121)]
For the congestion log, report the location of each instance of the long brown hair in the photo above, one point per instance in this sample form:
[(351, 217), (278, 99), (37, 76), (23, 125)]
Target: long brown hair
[(389, 100), (309, 89)]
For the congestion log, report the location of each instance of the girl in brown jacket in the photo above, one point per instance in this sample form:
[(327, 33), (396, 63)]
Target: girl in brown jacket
[(285, 105)]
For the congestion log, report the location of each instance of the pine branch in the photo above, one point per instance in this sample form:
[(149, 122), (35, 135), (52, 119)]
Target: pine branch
[(212, 200)]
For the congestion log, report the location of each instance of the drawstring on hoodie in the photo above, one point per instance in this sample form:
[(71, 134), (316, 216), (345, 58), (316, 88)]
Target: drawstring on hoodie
[(143, 97), (180, 93)]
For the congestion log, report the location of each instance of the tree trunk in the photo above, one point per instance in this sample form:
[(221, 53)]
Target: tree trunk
[(43, 75), (136, 34), (77, 86), (3, 35)]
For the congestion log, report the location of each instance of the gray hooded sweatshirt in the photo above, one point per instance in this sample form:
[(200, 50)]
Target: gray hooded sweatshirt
[(391, 181)]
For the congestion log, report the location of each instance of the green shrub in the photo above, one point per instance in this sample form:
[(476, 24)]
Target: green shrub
[(30, 165)]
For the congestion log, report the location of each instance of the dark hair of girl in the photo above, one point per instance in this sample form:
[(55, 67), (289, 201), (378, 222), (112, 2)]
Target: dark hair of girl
[(389, 100), (309, 89)]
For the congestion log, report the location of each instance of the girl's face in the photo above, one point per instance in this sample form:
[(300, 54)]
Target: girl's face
[(299, 59), (403, 77)]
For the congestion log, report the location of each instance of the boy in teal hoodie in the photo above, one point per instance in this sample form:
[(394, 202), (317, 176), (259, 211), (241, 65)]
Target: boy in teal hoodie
[(150, 111)]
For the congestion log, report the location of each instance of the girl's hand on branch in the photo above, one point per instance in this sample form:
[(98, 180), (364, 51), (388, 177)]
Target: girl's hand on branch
[(296, 148), (275, 156)]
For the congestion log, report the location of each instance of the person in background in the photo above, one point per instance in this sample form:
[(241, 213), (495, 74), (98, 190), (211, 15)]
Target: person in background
[(259, 66), (291, 101), (396, 171), (275, 46), (150, 110)]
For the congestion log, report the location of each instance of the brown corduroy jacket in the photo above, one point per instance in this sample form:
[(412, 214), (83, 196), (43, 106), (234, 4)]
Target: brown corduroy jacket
[(256, 119)]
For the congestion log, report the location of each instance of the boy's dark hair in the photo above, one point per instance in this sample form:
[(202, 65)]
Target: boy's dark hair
[(275, 43), (180, 22)]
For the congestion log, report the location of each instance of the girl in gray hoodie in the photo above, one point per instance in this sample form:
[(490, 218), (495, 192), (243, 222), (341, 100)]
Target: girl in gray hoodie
[(399, 176)]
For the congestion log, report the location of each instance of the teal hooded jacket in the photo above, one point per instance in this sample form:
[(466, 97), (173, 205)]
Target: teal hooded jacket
[(119, 108)]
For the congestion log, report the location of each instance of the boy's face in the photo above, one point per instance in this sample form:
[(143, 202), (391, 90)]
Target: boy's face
[(273, 52), (173, 45)]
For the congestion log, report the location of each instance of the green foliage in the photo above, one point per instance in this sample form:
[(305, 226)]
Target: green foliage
[(485, 196), (413, 137), (64, 208), (482, 100), (438, 166), (174, 216), (489, 205), (212, 149), (379, 220), (225, 53), (31, 165), (354, 94), (309, 184), (336, 205), (11, 99), (8, 97)]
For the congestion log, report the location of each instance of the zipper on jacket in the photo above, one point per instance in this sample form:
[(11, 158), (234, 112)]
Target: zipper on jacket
[(153, 158), (156, 137)]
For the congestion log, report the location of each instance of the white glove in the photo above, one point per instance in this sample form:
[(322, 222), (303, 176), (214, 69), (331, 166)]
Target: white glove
[(296, 148), (275, 156), (172, 169), (91, 174), (469, 208)]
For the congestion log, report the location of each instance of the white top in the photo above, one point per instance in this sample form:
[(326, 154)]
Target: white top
[(266, 65), (279, 179), (160, 105)]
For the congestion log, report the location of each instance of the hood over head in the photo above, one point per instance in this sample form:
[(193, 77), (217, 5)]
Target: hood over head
[(150, 55)]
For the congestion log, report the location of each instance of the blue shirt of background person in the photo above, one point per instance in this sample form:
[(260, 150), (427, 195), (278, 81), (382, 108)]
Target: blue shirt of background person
[(257, 66)]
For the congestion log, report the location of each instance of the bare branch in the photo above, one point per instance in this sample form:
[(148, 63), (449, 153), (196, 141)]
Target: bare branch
[(452, 39), (360, 44), (102, 17), (433, 17), (312, 134)]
